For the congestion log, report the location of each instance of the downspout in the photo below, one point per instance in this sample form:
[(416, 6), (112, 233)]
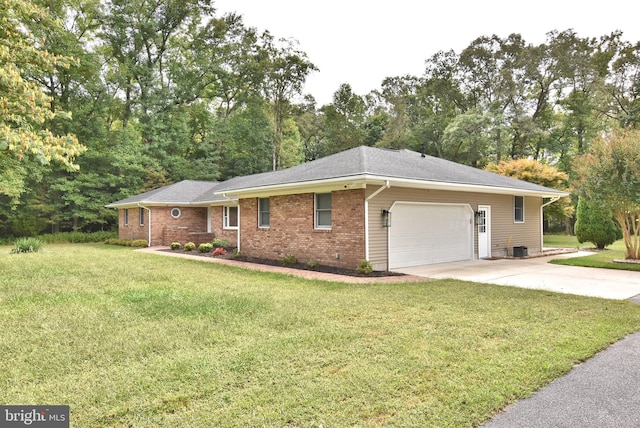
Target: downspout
[(149, 232), (553, 199), (366, 217)]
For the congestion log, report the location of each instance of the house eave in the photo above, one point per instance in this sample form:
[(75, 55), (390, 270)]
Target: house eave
[(362, 180)]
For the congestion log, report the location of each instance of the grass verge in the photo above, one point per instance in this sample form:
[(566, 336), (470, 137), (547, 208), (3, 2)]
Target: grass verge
[(133, 339), (599, 259)]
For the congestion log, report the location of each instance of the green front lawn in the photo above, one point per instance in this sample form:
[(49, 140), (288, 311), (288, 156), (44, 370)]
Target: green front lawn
[(599, 259), (133, 339)]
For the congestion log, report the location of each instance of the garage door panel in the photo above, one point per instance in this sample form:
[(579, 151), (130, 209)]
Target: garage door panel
[(426, 234)]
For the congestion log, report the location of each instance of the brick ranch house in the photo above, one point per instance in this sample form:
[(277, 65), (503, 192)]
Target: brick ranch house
[(395, 208)]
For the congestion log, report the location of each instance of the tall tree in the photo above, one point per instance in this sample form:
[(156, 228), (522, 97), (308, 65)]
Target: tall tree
[(25, 109), (610, 178), (286, 70)]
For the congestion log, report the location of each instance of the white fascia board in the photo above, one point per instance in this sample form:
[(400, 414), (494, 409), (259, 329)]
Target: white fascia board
[(360, 181), (171, 204)]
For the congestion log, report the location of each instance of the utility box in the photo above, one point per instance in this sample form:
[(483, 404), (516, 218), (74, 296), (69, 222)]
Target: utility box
[(520, 251)]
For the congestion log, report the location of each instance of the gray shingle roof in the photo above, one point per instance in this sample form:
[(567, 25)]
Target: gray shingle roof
[(383, 163), (185, 192), (374, 163)]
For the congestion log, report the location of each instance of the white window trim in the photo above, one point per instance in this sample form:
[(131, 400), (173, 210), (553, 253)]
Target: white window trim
[(260, 225), (179, 212), (225, 217), (514, 209), (126, 216), (315, 213), (141, 216)]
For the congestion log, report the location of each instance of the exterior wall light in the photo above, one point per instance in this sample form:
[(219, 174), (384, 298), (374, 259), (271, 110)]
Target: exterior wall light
[(386, 218)]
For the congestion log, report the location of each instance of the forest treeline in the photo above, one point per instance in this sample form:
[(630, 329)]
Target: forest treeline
[(162, 90)]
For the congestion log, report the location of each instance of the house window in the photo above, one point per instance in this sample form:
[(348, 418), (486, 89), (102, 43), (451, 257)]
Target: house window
[(518, 209), (230, 220), (126, 216), (175, 212), (264, 213), (141, 216), (323, 211)]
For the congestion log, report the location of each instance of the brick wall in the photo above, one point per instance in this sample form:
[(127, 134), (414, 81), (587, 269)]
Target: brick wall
[(190, 226), (230, 235), (133, 230), (292, 230)]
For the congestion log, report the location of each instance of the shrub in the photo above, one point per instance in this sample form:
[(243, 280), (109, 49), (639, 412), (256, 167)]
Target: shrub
[(289, 260), (189, 246), (595, 225), (235, 254), (137, 243), (27, 245), (365, 267), (205, 248), (175, 246), (312, 264), (78, 237), (219, 251), (217, 242)]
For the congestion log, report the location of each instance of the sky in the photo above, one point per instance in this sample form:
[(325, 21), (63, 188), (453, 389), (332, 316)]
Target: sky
[(362, 42)]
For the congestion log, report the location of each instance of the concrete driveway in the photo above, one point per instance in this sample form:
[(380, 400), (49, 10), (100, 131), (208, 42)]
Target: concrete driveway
[(538, 273)]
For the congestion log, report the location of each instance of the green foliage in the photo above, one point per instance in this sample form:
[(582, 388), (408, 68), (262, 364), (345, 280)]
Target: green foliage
[(175, 246), (189, 246), (217, 242), (312, 264), (595, 224), (289, 260), (365, 267), (205, 248), (136, 243), (235, 254), (27, 245), (79, 237), (609, 177)]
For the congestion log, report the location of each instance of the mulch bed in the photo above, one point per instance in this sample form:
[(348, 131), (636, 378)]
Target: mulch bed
[(300, 266)]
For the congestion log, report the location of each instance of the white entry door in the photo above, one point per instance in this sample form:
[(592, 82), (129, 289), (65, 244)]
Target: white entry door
[(484, 231)]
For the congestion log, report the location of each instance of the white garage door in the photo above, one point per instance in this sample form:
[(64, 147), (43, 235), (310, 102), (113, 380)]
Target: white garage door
[(429, 233)]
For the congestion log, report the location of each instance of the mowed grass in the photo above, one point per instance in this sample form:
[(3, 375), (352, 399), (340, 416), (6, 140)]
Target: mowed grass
[(599, 259), (129, 339)]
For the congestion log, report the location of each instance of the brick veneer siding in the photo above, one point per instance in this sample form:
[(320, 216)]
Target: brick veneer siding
[(292, 230), (190, 226), (230, 235), (133, 230)]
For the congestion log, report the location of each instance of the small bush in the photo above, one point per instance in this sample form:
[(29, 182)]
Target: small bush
[(175, 246), (289, 260), (312, 264), (205, 248), (27, 245), (219, 252), (136, 243), (235, 254), (217, 242), (189, 246), (365, 267)]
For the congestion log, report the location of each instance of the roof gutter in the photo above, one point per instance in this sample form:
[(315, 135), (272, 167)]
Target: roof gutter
[(553, 199), (386, 185), (398, 182)]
